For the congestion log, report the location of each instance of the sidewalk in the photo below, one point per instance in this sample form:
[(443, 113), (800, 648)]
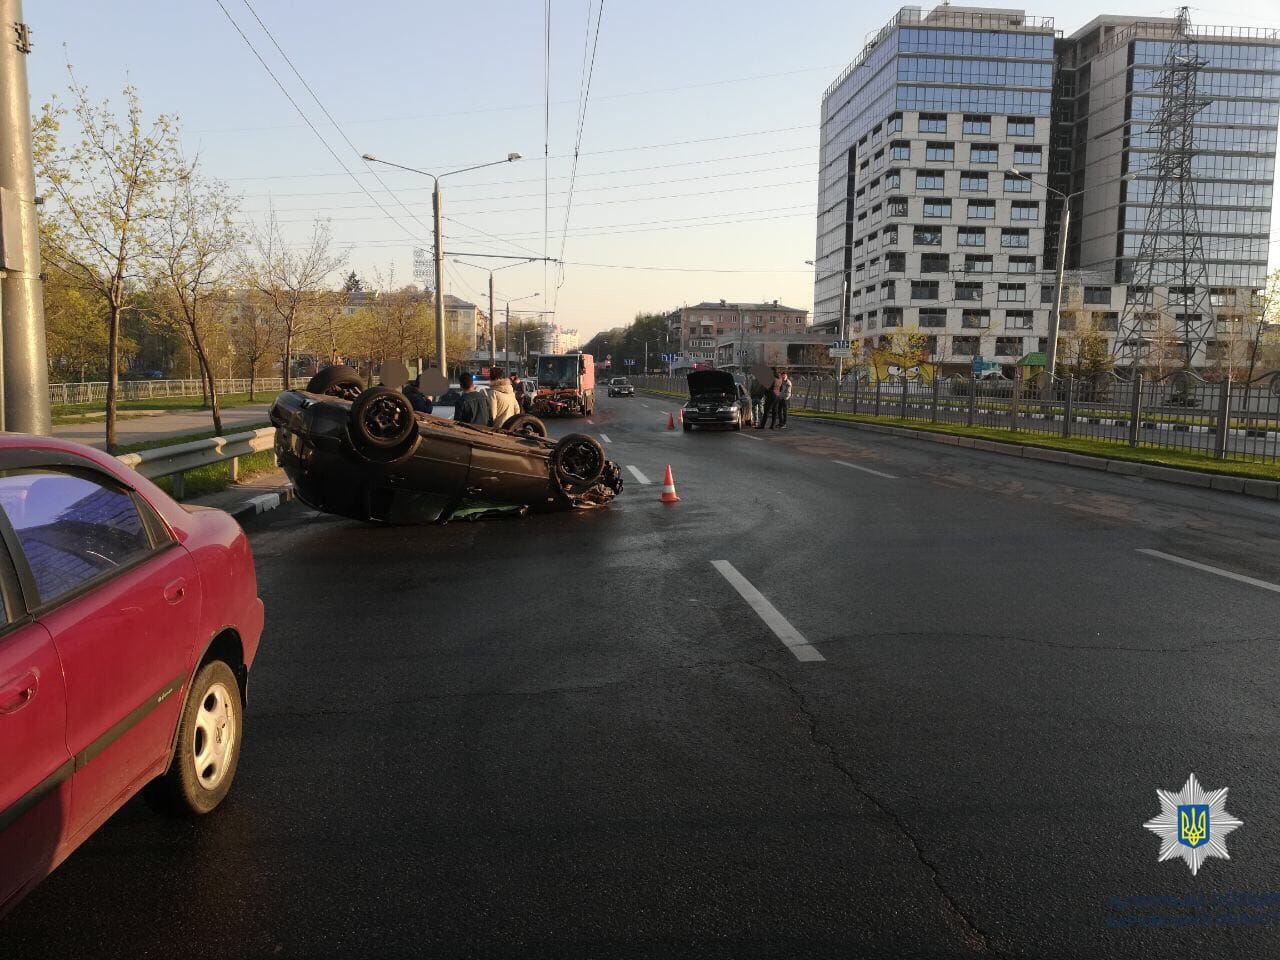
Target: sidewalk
[(264, 492), (159, 426)]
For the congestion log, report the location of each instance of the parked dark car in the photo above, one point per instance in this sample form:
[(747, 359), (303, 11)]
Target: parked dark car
[(374, 458), (128, 624), (716, 400)]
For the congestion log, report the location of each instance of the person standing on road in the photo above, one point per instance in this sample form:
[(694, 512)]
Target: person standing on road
[(781, 401), (472, 406), (769, 398), (503, 404), (420, 402)]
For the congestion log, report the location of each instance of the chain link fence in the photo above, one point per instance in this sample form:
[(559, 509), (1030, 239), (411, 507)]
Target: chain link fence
[(1221, 419), (62, 393)]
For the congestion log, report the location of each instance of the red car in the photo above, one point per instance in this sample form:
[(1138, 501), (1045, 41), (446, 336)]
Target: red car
[(127, 627)]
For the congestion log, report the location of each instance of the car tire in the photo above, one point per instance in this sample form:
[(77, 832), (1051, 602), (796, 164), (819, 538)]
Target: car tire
[(688, 427), (577, 461), (525, 425), (207, 751), (341, 382), (382, 424)]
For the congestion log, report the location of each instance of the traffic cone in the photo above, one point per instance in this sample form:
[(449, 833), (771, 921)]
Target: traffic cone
[(680, 414), (669, 488), (671, 421)]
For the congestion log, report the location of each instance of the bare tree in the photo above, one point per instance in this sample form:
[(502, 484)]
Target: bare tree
[(333, 329), (192, 249), (255, 333), (100, 194), (291, 281)]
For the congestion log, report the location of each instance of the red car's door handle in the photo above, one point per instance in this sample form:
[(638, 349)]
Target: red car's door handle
[(17, 695), (175, 591)]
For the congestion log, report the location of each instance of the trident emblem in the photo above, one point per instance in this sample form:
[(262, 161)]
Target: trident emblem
[(1193, 824)]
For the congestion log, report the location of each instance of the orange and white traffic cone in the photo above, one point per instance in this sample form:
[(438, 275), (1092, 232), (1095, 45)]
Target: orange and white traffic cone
[(671, 421), (680, 414), (669, 488)]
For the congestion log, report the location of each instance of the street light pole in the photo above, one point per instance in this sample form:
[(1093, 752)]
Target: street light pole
[(507, 335), (439, 258)]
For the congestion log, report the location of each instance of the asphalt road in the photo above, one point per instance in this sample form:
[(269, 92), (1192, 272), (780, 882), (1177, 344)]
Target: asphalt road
[(572, 736), (137, 429)]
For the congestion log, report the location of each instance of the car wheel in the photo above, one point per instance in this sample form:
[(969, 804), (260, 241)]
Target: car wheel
[(577, 461), (210, 731), (341, 382), (688, 427), (382, 423), (525, 425)]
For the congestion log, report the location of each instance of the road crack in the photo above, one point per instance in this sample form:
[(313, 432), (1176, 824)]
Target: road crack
[(966, 927)]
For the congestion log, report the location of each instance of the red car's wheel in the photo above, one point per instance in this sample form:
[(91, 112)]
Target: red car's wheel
[(208, 747)]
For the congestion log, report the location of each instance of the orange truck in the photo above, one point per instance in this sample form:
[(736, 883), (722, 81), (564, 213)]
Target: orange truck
[(566, 385)]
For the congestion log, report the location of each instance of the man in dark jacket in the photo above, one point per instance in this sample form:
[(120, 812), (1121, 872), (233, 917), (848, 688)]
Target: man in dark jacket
[(472, 405), (420, 402)]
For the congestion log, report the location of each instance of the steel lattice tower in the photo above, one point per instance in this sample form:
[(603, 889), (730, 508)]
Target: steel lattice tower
[(1171, 253)]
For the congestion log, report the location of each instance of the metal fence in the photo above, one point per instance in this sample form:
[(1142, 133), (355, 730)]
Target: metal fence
[(1225, 420), (151, 389), (174, 461)]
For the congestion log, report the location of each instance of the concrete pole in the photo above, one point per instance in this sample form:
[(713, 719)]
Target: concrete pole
[(493, 344), (435, 205), (1055, 318), (507, 338), (24, 361)]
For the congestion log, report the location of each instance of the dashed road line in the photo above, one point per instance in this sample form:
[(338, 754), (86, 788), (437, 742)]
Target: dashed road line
[(1252, 581), (750, 437), (605, 438), (640, 477), (854, 466), (791, 638)]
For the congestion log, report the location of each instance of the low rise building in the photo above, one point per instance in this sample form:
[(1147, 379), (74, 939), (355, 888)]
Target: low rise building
[(702, 325)]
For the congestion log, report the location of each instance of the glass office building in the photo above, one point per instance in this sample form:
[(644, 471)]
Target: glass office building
[(919, 223)]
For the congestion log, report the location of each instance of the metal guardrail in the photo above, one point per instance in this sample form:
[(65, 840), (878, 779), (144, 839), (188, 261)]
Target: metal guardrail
[(154, 389), (176, 460)]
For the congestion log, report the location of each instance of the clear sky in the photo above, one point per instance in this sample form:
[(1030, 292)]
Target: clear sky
[(699, 148)]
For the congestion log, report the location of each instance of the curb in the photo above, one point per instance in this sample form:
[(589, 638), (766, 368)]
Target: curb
[(254, 507), (1264, 489)]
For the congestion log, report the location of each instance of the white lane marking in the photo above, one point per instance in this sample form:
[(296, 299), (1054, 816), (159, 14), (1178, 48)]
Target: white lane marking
[(750, 437), (789, 635), (854, 466), (605, 438), (643, 404), (592, 422), (1253, 582), (640, 477)]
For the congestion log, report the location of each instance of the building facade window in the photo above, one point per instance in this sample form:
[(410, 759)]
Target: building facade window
[(1027, 156), (1008, 346), (937, 208), (894, 123), (900, 150), (971, 237), (973, 182), (1011, 237), (1012, 293), (968, 291), (982, 209), (927, 236), (929, 180), (984, 153), (934, 263), (1016, 184), (1021, 127), (1024, 210), (940, 152), (1097, 295), (965, 346), (933, 123), (977, 125), (897, 206), (1022, 264), (1018, 319), (932, 317), (978, 263), (924, 289), (975, 319), (895, 262)]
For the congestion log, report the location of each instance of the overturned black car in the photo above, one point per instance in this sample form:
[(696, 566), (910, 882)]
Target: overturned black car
[(365, 453)]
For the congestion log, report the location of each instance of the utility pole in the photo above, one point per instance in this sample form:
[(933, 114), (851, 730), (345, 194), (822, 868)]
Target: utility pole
[(24, 365), (493, 344), (435, 206)]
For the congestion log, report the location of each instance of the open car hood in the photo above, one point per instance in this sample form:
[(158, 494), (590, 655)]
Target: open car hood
[(711, 381)]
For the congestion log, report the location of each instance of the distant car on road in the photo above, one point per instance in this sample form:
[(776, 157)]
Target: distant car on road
[(373, 458), (621, 387), (128, 624), (716, 400)]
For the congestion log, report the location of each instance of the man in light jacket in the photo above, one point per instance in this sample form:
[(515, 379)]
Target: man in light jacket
[(503, 404), (781, 402)]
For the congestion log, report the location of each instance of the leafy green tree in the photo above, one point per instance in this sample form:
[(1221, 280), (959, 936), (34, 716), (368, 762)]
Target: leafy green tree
[(101, 193)]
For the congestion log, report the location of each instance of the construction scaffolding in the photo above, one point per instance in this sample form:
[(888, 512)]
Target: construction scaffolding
[(1168, 307)]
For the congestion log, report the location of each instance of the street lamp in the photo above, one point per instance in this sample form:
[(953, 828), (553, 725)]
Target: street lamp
[(493, 343), (507, 336), (435, 206), (1055, 318)]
